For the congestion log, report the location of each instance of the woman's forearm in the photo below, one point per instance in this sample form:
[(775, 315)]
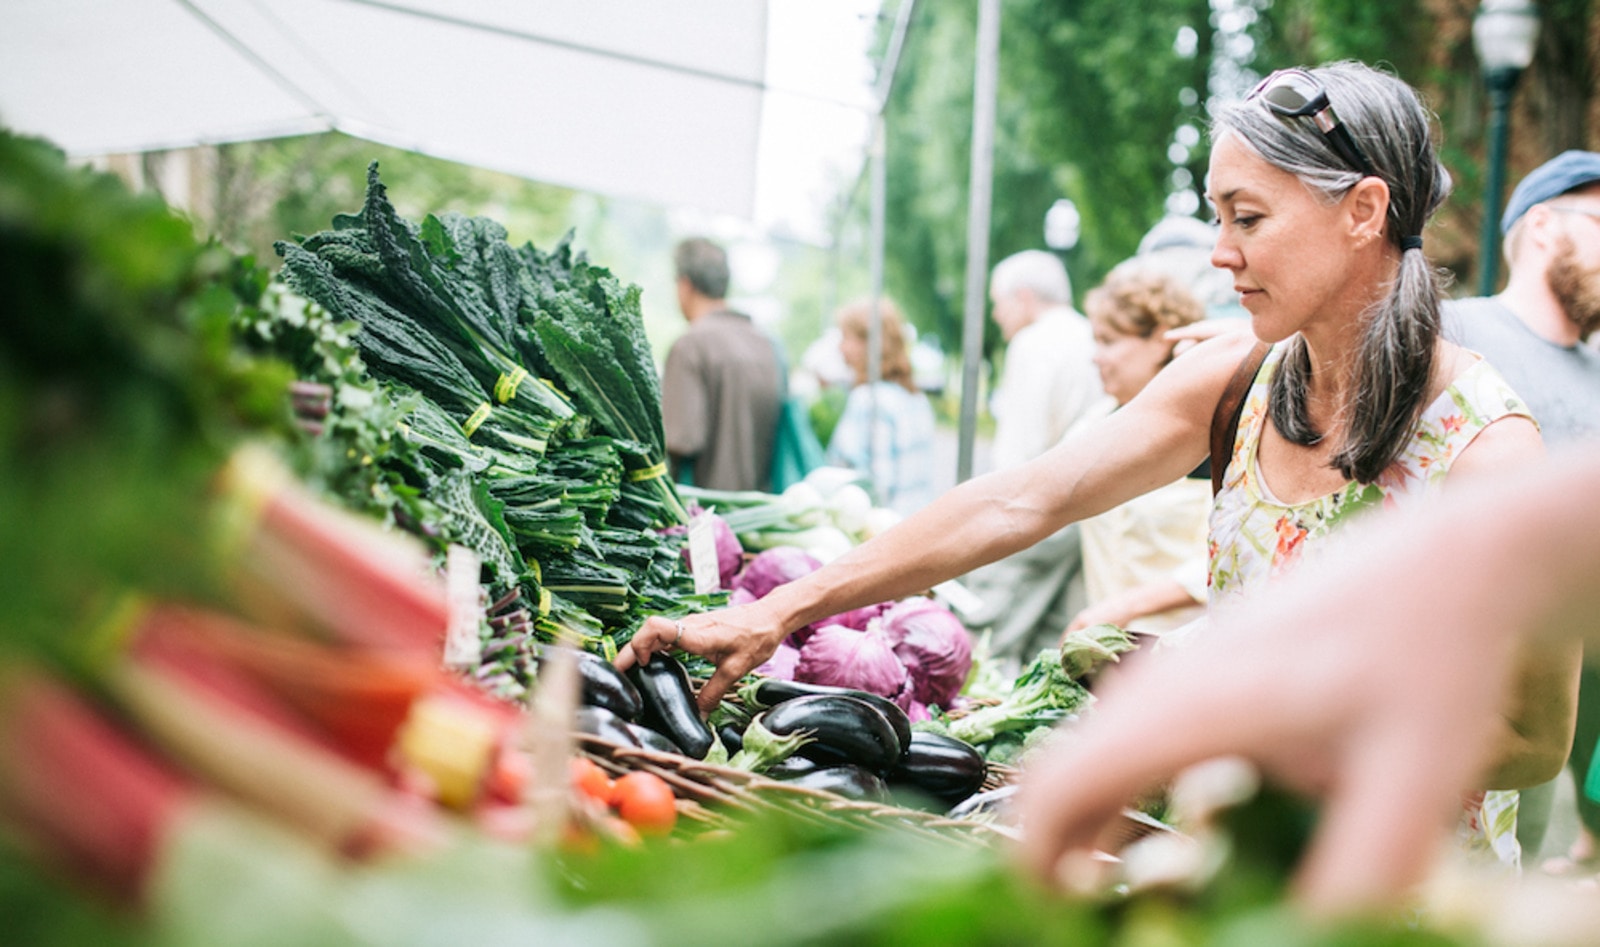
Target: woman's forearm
[(976, 523)]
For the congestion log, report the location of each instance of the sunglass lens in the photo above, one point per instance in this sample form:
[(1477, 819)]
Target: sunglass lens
[(1291, 93)]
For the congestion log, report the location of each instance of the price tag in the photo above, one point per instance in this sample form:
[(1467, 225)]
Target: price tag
[(960, 598), (462, 649), (703, 555)]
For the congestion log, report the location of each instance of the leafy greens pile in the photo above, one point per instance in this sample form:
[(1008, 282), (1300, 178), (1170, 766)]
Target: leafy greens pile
[(497, 397)]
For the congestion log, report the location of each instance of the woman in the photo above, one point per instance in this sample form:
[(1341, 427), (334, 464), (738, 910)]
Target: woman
[(886, 429), (1144, 562), (1359, 404)]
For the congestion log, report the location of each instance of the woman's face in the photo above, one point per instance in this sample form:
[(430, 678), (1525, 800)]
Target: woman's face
[(1127, 361), (854, 349), (1290, 253)]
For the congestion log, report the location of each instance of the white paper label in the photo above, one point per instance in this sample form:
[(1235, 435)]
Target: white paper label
[(703, 555), (958, 597), (462, 649)]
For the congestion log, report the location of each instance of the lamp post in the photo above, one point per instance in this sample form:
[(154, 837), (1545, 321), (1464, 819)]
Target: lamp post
[(1503, 35)]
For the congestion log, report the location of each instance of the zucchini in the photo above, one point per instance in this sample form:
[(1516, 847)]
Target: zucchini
[(769, 692), (843, 729), (943, 767), (669, 704)]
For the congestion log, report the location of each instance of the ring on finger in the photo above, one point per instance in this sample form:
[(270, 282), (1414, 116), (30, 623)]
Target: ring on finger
[(679, 637)]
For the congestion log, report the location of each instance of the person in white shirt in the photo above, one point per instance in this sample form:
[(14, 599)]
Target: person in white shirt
[(1144, 562), (1049, 378), (1048, 382)]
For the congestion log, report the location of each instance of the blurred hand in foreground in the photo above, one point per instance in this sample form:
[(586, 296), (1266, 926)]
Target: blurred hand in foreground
[(1372, 680)]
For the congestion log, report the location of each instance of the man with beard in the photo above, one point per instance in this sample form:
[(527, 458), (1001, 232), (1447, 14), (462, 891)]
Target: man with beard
[(1534, 334)]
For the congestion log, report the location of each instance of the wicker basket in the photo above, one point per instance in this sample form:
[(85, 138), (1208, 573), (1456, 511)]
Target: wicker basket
[(712, 797)]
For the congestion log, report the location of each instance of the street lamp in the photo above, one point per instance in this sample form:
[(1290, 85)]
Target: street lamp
[(1503, 34), (1061, 223)]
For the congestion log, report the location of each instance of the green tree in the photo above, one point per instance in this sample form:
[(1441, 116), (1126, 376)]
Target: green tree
[(1090, 94)]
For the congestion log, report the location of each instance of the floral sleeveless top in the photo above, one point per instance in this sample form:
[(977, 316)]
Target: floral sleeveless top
[(1254, 536)]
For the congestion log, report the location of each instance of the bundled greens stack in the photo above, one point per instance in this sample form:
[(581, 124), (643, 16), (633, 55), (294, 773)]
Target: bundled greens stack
[(500, 398)]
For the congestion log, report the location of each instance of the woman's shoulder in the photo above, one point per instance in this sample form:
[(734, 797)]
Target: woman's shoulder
[(1465, 374), (1211, 363), (1188, 390)]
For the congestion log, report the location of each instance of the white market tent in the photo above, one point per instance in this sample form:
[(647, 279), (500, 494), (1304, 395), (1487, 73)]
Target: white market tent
[(747, 108), (684, 103)]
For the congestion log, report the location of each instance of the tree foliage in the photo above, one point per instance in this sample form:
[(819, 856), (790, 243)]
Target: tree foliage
[(1089, 98)]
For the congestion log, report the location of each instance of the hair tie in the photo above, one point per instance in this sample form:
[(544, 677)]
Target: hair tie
[(1411, 243)]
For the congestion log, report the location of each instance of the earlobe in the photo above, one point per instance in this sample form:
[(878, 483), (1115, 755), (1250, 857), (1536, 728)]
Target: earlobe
[(1369, 207)]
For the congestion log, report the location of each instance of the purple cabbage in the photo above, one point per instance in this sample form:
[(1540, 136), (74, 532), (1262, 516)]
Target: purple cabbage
[(782, 664), (730, 554), (845, 657), (774, 567), (934, 647)]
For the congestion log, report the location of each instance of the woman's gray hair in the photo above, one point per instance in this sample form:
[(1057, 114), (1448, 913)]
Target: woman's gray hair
[(1393, 128), (1038, 271)]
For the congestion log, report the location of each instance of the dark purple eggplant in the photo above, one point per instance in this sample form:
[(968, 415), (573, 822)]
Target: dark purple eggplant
[(790, 766), (769, 692), (843, 729), (602, 685), (732, 739), (852, 782), (602, 723), (941, 766), (669, 704), (651, 740)]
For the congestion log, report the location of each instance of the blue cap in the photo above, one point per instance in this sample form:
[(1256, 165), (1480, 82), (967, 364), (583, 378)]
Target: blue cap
[(1565, 172)]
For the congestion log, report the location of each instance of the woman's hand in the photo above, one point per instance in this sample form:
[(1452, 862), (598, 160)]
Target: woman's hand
[(1127, 607), (1187, 337), (738, 639), (1105, 613)]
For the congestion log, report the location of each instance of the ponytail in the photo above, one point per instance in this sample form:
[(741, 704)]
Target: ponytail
[(1394, 368)]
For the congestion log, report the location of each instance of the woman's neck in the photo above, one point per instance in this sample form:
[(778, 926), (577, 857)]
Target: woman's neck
[(1335, 355)]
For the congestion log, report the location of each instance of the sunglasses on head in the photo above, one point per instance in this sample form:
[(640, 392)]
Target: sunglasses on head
[(1295, 93)]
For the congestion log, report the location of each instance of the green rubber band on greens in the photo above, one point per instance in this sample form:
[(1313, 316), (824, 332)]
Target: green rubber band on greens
[(471, 425), (506, 387)]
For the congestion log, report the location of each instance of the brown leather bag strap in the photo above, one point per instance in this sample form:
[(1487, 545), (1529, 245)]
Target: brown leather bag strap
[(1225, 422)]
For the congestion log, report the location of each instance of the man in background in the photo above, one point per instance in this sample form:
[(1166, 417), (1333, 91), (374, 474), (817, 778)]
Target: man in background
[(1048, 381), (1533, 333), (723, 386)]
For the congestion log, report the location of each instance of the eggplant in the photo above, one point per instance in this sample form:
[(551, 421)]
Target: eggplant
[(790, 766), (651, 740), (852, 782), (732, 739), (843, 729), (602, 685), (669, 704), (602, 723), (990, 802), (941, 766), (769, 692)]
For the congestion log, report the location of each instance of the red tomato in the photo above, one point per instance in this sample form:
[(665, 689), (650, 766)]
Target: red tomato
[(645, 801), (590, 779)]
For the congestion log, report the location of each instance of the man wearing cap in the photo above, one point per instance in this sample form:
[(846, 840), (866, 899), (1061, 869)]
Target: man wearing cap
[(1534, 333)]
